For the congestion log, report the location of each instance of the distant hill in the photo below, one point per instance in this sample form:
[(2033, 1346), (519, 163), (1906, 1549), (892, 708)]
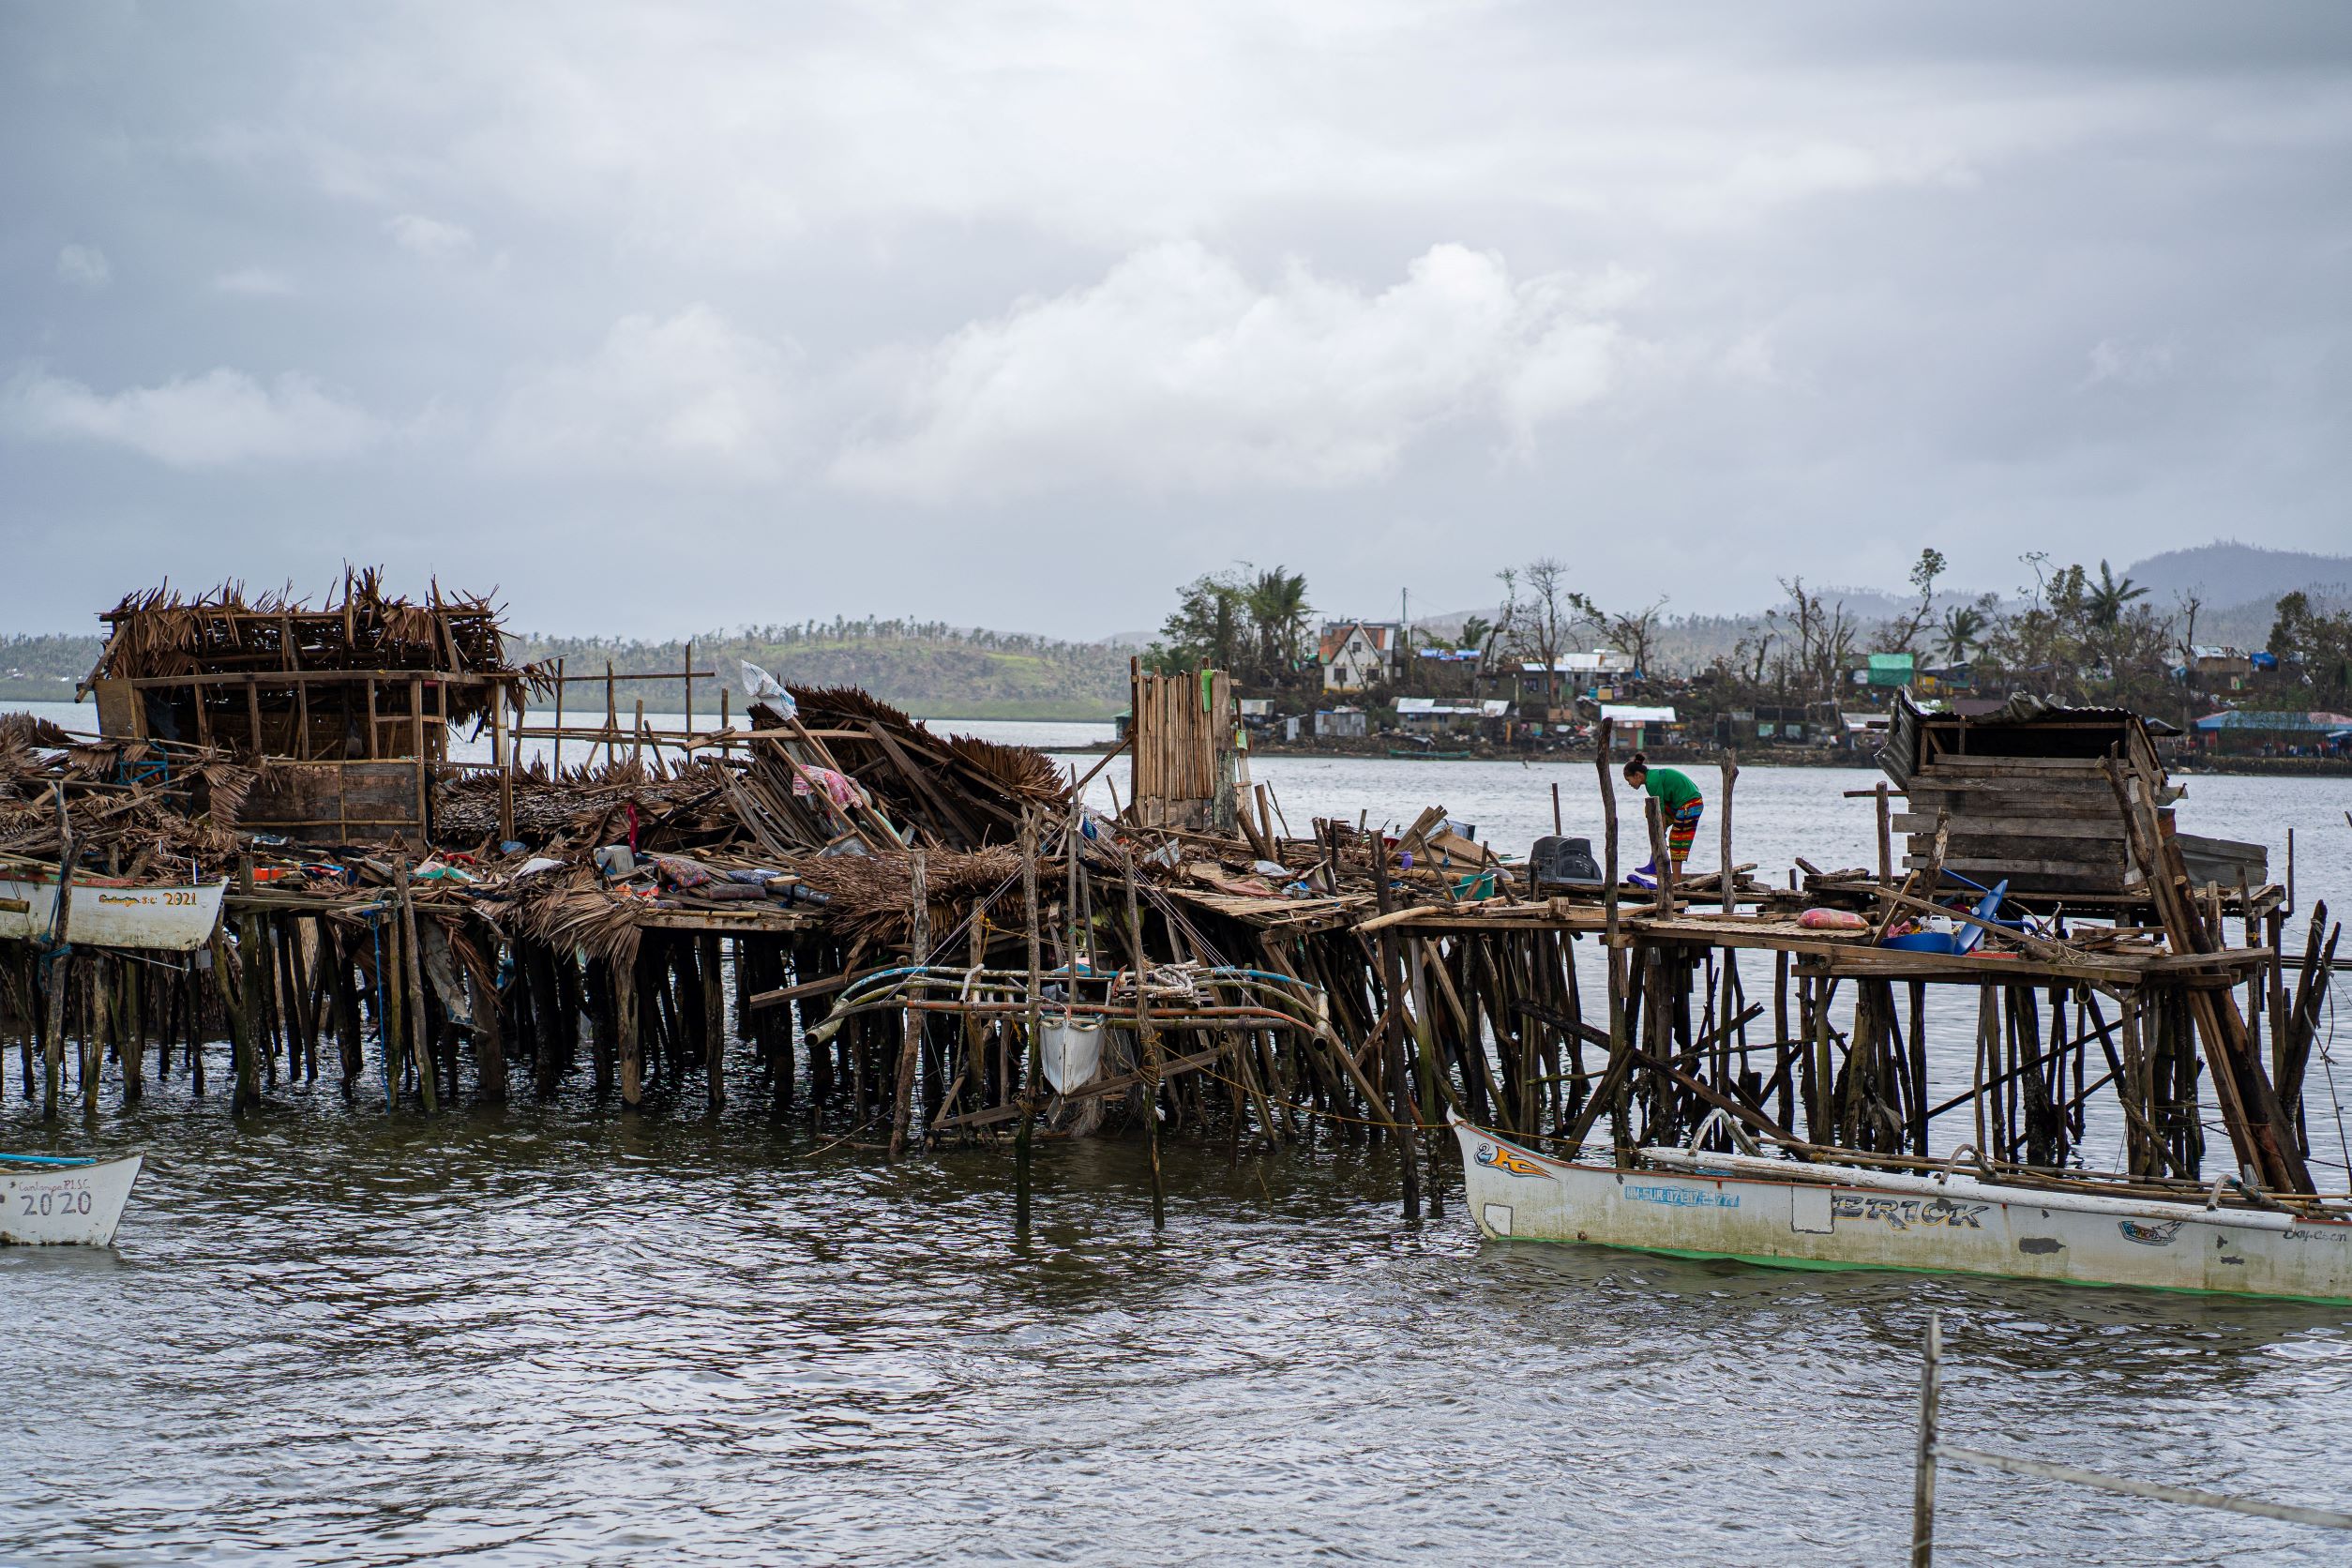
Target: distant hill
[(43, 668), (2227, 573), (932, 672)]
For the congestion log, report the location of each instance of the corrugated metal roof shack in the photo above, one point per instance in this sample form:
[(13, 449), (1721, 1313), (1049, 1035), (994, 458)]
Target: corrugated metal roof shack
[(2242, 730), (2023, 796)]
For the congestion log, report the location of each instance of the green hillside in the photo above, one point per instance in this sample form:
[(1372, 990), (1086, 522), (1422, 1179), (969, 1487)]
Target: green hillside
[(933, 672)]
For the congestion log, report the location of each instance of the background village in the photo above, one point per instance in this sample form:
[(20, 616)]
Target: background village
[(1815, 681), (2250, 677)]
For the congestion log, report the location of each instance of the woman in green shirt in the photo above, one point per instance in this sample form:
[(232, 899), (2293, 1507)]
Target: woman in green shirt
[(1680, 802)]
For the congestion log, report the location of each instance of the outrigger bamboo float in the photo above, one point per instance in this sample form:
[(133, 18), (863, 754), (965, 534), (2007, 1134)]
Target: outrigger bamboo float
[(910, 940)]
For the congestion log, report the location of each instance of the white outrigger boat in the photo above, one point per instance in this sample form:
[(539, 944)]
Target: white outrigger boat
[(1781, 1212), (106, 913), (56, 1201)]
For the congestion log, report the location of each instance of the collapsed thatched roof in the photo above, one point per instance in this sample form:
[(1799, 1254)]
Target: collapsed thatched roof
[(964, 792), (158, 632), (152, 821)]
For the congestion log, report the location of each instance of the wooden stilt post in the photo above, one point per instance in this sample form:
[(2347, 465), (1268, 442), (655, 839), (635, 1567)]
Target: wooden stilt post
[(1148, 1039), (251, 1041), (98, 1029), (502, 753), (1017, 1079), (1401, 1113), (1886, 837), (1923, 1469), (411, 980), (628, 1030), (714, 1008), (911, 1035), (60, 959)]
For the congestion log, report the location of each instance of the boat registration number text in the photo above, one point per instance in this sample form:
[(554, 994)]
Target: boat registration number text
[(36, 1203)]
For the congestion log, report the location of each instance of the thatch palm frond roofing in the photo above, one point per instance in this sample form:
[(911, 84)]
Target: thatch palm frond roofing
[(159, 632)]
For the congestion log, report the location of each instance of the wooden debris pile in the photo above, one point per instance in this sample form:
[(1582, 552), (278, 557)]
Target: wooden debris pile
[(955, 791), (132, 807), (667, 805)]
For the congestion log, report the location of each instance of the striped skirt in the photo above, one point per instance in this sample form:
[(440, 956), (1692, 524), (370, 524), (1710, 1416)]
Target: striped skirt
[(1682, 831)]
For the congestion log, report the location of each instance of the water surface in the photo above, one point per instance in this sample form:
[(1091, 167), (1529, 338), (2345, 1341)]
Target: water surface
[(555, 1334)]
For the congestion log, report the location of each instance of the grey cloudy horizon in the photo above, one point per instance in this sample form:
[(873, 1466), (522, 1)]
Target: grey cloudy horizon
[(665, 319)]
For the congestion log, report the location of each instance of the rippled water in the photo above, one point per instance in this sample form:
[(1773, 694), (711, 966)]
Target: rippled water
[(556, 1334)]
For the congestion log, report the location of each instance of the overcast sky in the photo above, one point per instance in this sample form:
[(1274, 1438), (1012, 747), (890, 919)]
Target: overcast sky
[(664, 318)]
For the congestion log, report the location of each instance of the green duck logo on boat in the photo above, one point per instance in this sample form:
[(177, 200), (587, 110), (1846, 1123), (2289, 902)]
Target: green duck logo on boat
[(2150, 1235)]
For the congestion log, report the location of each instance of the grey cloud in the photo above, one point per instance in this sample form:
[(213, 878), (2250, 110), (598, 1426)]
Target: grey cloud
[(84, 266), (218, 419), (808, 281)]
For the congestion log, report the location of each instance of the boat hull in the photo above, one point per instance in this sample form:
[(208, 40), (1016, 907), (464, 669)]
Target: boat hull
[(171, 919), (1729, 1206), (65, 1205)]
